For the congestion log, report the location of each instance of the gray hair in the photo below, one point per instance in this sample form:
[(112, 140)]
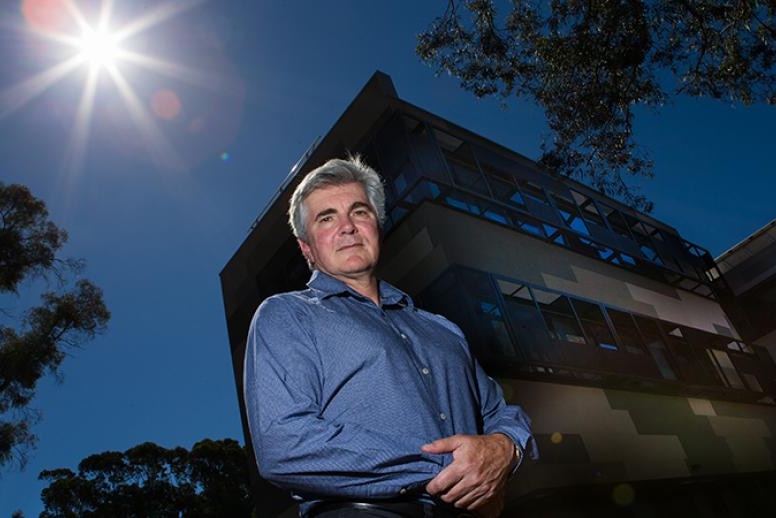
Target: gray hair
[(336, 172)]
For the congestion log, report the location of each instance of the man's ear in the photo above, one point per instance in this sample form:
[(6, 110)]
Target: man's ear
[(306, 252)]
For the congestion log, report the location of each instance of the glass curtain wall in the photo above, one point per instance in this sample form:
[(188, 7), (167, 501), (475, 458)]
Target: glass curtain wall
[(513, 324)]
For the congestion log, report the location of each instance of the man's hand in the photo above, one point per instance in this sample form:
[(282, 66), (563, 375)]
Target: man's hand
[(476, 478)]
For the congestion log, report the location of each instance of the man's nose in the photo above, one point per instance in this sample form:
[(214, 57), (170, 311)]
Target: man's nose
[(347, 226)]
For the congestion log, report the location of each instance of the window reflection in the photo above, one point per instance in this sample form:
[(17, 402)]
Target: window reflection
[(627, 333), (559, 316), (594, 324)]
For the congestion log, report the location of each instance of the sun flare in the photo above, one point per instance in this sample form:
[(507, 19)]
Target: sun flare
[(99, 45), (99, 48)]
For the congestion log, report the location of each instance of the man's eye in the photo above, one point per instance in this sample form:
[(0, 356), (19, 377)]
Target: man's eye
[(325, 219)]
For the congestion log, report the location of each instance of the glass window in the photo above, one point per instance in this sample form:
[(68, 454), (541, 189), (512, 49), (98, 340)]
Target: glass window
[(525, 320), (695, 250), (594, 324), (724, 368), (424, 150), (570, 214), (616, 221), (393, 152), (508, 319), (694, 366), (735, 345), (588, 208), (626, 330), (704, 340), (467, 176), (492, 314), (712, 274), (752, 382), (489, 316), (559, 316), (496, 214), (674, 263), (650, 332), (467, 298), (642, 228), (554, 234), (654, 232), (527, 224), (601, 251), (446, 141), (505, 190), (754, 371), (463, 167), (649, 252), (463, 202), (533, 191)]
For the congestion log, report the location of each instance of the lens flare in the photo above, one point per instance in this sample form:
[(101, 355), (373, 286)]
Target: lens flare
[(98, 47), (45, 16), (623, 494), (166, 104)]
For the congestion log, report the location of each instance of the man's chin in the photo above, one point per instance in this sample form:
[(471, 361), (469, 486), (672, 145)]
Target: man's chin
[(357, 267)]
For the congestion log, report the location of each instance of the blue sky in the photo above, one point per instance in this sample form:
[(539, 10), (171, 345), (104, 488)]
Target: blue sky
[(263, 80)]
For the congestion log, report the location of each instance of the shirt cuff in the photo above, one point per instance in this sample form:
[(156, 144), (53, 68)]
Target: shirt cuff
[(523, 445)]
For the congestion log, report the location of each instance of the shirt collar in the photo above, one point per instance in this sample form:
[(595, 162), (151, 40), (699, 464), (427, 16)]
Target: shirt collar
[(326, 286)]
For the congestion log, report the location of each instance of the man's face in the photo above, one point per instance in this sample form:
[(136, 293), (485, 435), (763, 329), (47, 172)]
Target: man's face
[(343, 239)]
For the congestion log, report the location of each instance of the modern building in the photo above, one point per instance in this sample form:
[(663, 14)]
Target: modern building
[(609, 328), (750, 270)]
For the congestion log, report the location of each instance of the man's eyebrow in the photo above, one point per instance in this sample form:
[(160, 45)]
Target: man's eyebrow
[(325, 212), (355, 205)]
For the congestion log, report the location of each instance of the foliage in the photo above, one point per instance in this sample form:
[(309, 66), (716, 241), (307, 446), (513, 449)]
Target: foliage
[(65, 318), (149, 480), (590, 64)]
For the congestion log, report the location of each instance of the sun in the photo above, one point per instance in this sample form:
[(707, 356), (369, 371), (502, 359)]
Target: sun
[(94, 44), (99, 48)]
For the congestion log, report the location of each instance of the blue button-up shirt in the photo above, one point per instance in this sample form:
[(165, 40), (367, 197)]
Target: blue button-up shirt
[(341, 393)]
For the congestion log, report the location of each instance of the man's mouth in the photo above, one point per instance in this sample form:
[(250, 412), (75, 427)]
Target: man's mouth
[(346, 247)]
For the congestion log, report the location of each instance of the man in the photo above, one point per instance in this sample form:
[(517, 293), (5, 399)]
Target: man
[(358, 402)]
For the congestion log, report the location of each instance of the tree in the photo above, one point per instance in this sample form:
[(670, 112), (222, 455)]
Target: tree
[(149, 480), (69, 314), (590, 64)]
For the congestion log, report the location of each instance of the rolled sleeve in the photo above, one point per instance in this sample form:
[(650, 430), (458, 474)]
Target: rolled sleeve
[(510, 420)]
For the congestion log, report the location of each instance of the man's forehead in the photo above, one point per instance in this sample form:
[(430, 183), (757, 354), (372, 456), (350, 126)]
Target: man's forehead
[(353, 192)]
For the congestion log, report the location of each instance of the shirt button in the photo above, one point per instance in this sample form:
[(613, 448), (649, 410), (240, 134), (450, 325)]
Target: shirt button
[(404, 336), (425, 371), (442, 416), (403, 491)]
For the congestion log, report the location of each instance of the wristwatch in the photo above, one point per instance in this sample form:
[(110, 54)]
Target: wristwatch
[(516, 458)]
